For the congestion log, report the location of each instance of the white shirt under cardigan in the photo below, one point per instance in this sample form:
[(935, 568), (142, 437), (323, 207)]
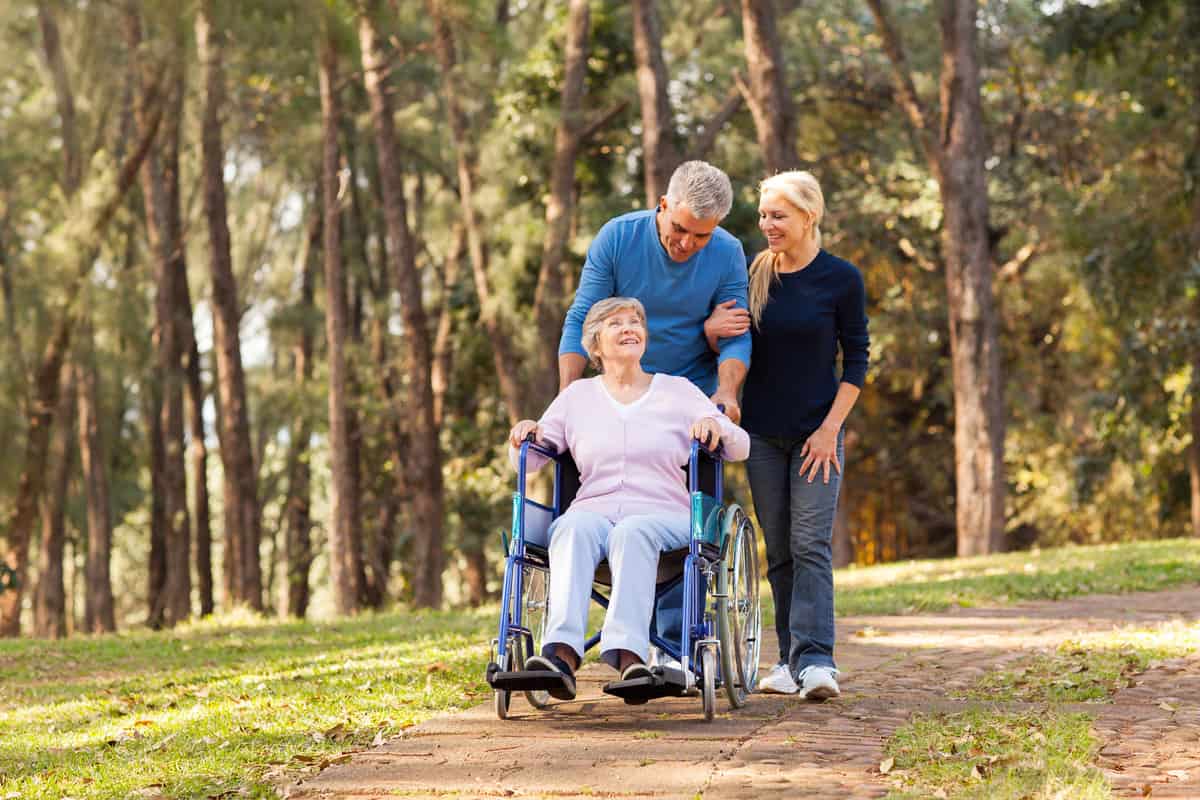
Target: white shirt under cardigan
[(630, 455)]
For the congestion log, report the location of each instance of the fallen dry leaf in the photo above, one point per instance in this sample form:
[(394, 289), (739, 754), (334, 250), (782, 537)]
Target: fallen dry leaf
[(886, 765)]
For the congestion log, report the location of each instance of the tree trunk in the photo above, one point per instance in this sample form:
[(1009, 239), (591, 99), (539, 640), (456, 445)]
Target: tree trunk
[(156, 198), (767, 91), (344, 532), (503, 351), (50, 599), (199, 448), (98, 600), (298, 553), (549, 302), (425, 457), (974, 342), (843, 539), (956, 159), (443, 340), (1193, 457), (156, 563), (475, 573), (175, 316), (243, 522), (659, 154)]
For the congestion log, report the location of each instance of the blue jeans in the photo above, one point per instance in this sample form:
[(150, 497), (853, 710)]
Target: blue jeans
[(797, 523)]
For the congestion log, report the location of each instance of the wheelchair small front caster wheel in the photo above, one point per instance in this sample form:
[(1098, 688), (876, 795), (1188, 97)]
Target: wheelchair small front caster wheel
[(708, 674)]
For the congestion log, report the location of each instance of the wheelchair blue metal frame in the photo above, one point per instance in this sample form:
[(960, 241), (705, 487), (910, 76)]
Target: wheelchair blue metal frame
[(695, 626)]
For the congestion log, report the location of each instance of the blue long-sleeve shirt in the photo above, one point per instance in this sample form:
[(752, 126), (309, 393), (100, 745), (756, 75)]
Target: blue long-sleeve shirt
[(794, 379), (627, 260)]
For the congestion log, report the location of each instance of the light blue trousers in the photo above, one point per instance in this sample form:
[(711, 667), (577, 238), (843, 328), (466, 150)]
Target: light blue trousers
[(579, 541)]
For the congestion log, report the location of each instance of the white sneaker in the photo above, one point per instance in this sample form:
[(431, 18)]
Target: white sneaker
[(819, 683), (778, 681)]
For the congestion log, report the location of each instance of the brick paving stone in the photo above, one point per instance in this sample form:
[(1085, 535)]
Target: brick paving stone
[(892, 668)]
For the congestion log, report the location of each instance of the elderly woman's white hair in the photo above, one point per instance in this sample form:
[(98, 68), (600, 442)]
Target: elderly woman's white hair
[(594, 321)]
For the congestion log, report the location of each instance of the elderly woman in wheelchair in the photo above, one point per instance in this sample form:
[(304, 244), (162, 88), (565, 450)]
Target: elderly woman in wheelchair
[(629, 433)]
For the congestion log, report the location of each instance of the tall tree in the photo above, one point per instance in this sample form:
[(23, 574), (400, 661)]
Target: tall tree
[(298, 510), (98, 613), (466, 163), (659, 154), (560, 203), (50, 599), (425, 457), (955, 150), (1192, 29), (345, 536), (765, 87), (243, 521), (166, 248)]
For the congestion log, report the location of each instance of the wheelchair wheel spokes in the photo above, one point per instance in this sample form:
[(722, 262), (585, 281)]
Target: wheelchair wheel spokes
[(537, 606), (744, 601)]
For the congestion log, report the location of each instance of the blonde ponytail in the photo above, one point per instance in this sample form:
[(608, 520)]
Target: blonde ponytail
[(763, 272)]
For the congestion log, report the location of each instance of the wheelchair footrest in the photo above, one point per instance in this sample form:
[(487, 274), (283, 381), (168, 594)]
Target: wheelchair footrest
[(525, 680), (662, 682)]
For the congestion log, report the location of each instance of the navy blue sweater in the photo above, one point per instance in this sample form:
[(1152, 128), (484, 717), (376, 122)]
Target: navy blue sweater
[(793, 374)]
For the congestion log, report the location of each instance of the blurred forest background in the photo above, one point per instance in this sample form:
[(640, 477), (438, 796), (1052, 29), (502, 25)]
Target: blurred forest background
[(277, 276)]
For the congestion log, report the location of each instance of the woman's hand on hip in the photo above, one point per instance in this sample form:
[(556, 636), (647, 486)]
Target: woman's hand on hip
[(521, 430), (707, 431), (820, 453)]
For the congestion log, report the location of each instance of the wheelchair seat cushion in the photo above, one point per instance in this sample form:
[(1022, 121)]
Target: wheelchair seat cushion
[(670, 566)]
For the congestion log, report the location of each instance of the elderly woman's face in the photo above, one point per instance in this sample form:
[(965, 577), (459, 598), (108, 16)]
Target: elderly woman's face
[(622, 336)]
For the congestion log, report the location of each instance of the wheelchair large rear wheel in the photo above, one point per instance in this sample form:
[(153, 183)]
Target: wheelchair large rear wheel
[(739, 624), (537, 606)]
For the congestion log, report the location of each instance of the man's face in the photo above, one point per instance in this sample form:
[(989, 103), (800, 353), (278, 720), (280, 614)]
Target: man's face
[(681, 233)]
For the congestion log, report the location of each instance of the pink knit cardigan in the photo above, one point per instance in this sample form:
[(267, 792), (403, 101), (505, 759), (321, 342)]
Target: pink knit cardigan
[(630, 459)]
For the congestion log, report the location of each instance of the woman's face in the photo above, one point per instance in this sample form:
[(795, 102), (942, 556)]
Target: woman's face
[(622, 337), (785, 226)]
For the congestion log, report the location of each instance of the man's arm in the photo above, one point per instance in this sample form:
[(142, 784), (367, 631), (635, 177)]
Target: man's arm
[(570, 369), (733, 359), (597, 282), (730, 375)]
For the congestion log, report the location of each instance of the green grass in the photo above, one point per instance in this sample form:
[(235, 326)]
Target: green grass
[(996, 755), (935, 585), (1090, 668), (220, 708)]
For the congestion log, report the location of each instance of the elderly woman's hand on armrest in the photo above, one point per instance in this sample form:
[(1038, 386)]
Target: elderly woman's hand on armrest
[(707, 431), (522, 430)]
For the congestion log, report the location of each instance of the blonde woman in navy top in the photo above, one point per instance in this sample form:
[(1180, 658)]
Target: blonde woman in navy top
[(805, 305)]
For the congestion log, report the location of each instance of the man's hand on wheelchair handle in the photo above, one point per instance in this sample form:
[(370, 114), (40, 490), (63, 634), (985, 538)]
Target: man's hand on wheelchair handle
[(707, 431), (728, 403), (522, 430)]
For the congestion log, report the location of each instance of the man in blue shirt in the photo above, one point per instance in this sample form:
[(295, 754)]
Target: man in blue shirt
[(690, 275)]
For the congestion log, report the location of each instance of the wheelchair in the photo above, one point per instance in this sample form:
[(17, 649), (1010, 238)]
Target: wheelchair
[(718, 647)]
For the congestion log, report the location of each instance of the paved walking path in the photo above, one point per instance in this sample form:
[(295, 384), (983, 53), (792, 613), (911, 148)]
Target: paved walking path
[(782, 747)]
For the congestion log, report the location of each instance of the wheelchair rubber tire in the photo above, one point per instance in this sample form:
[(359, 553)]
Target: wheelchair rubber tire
[(708, 677), (739, 615), (501, 698)]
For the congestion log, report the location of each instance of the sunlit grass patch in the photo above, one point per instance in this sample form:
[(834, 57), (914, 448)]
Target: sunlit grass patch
[(228, 705), (934, 585), (996, 755), (1091, 667)]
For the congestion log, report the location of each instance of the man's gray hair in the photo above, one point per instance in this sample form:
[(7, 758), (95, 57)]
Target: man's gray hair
[(703, 188)]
